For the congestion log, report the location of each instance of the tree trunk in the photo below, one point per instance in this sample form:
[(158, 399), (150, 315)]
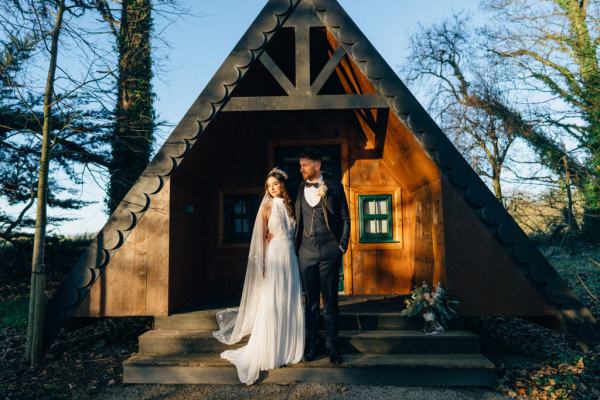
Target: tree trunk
[(38, 270), (133, 135), (496, 184), (571, 222)]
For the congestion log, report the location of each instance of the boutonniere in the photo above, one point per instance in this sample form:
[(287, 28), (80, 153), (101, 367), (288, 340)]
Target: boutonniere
[(322, 191)]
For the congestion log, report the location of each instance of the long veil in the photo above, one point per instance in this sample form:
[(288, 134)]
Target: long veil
[(235, 323)]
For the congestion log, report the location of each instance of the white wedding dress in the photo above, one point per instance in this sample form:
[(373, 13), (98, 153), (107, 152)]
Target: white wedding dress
[(271, 306)]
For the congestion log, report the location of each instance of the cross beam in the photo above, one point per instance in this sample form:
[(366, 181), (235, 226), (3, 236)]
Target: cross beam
[(322, 102)]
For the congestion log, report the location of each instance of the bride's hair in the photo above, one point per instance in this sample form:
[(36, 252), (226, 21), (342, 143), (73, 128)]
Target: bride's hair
[(281, 176)]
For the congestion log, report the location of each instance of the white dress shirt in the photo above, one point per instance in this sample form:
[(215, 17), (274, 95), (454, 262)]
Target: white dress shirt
[(311, 194)]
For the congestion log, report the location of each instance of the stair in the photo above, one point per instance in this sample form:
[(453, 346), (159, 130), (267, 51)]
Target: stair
[(379, 348)]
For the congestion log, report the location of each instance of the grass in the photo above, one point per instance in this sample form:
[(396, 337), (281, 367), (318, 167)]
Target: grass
[(582, 272), (13, 313)]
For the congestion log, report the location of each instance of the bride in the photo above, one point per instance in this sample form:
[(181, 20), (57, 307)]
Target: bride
[(271, 307)]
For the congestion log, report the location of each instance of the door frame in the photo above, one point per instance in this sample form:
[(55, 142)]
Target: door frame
[(345, 168)]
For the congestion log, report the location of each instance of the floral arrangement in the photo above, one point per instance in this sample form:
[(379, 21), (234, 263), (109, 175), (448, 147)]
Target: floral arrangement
[(433, 305)]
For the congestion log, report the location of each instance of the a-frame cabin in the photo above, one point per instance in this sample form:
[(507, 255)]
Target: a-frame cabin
[(304, 74)]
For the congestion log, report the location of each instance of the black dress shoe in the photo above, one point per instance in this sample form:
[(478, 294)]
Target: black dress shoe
[(310, 354), (334, 357)]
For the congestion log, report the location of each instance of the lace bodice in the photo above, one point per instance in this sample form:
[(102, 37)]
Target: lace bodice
[(280, 224)]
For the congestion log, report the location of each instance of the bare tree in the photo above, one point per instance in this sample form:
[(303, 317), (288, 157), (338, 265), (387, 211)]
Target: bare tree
[(445, 57), (78, 136), (38, 271), (554, 45)]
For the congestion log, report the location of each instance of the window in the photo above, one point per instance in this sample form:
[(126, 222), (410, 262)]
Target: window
[(240, 213), (375, 217)]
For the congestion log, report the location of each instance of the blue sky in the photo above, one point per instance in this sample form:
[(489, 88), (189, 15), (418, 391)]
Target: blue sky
[(195, 46)]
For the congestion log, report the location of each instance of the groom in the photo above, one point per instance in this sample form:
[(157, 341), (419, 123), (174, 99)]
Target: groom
[(322, 239)]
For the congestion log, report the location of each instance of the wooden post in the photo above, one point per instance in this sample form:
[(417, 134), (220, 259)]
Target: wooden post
[(38, 270)]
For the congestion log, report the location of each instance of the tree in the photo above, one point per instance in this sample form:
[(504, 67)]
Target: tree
[(476, 103), (554, 44), (134, 114), (59, 124), (79, 135), (38, 271), (468, 90)]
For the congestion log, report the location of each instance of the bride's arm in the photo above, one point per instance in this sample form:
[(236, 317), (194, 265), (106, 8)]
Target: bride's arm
[(266, 213)]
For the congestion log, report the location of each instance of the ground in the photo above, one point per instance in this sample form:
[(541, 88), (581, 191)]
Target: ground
[(85, 361)]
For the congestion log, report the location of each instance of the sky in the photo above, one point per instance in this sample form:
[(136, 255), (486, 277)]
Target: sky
[(194, 46)]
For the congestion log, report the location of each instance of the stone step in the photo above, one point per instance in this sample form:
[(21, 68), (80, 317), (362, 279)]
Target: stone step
[(357, 369), (376, 342), (206, 320)]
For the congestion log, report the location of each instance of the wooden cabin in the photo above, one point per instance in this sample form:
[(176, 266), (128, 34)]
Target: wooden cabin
[(305, 75)]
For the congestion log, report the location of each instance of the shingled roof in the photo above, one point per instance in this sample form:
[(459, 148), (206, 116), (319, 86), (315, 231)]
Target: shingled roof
[(533, 265)]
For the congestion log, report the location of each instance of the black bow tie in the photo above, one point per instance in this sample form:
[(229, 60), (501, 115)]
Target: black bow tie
[(311, 184)]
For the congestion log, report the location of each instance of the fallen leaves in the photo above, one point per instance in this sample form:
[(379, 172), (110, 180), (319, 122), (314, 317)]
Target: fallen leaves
[(82, 361)]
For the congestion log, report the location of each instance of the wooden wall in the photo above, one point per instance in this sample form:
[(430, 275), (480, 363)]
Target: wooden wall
[(227, 155), (233, 156), (136, 280), (479, 272), (387, 154)]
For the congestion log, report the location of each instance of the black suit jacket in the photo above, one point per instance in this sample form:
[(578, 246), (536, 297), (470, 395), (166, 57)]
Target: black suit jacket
[(338, 216)]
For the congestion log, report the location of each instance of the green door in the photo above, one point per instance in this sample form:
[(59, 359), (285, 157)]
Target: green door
[(286, 158)]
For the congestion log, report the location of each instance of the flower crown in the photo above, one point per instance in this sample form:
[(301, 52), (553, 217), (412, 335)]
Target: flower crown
[(278, 171)]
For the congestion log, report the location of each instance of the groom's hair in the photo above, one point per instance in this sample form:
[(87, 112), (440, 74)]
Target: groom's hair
[(312, 153)]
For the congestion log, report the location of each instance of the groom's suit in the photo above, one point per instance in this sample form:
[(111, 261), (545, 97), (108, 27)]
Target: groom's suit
[(322, 239)]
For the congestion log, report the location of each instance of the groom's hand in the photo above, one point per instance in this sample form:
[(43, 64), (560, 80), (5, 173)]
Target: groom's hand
[(268, 237)]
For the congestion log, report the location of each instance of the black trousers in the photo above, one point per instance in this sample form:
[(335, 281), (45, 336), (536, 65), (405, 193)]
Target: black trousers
[(321, 276)]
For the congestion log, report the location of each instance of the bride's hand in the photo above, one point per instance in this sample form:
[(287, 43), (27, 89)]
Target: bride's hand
[(268, 237)]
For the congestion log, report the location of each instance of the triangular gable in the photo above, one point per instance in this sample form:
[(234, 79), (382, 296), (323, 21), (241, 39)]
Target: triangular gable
[(392, 93)]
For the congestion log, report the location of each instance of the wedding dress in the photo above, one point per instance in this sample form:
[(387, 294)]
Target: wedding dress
[(271, 307)]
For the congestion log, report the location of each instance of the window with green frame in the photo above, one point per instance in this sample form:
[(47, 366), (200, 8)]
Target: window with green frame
[(376, 218), (240, 213)]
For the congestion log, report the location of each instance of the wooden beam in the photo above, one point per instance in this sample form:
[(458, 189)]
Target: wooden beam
[(324, 102), (303, 60), (277, 73), (327, 70)]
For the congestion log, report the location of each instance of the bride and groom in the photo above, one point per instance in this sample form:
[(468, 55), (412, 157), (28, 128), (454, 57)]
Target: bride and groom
[(296, 250)]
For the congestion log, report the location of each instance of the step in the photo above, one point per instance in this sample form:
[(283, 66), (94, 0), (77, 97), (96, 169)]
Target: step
[(357, 369), (377, 342), (407, 342), (206, 320)]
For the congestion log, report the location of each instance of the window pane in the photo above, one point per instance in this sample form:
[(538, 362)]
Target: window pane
[(382, 207), (370, 226), (376, 226), (237, 225), (383, 226), (237, 207), (246, 226), (369, 207)]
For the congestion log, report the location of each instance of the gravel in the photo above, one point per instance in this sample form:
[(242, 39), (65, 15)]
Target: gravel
[(294, 391)]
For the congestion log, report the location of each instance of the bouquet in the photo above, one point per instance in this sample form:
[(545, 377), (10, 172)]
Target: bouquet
[(433, 306)]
